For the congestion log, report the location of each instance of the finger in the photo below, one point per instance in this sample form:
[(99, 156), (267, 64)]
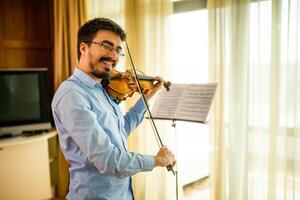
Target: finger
[(158, 81), (173, 156), (169, 152), (174, 163), (158, 78), (146, 91), (163, 149), (158, 84)]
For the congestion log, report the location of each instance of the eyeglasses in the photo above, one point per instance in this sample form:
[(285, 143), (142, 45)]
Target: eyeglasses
[(109, 47)]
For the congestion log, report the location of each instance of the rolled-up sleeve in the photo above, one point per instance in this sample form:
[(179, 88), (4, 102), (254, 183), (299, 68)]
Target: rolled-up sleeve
[(134, 116)]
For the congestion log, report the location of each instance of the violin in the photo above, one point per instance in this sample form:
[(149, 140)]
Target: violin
[(122, 85)]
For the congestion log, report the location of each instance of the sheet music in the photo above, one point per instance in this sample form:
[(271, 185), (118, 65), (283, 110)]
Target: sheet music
[(187, 102)]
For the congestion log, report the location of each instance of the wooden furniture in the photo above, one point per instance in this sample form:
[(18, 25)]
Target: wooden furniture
[(26, 35), (25, 167)]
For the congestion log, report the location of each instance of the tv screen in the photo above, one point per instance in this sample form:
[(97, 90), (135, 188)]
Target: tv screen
[(24, 102)]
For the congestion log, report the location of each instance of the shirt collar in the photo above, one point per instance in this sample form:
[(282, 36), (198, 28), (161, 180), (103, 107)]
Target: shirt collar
[(88, 81), (85, 78)]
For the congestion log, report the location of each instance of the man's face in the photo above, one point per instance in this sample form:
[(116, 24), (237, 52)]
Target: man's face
[(101, 56)]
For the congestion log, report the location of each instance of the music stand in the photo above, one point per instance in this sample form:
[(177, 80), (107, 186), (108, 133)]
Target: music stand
[(176, 149), (184, 102)]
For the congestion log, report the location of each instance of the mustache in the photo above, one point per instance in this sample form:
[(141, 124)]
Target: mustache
[(108, 59)]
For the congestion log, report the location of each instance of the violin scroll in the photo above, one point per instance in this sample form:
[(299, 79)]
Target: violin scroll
[(167, 85)]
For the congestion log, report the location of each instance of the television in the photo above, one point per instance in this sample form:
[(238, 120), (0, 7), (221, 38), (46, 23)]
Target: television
[(24, 101)]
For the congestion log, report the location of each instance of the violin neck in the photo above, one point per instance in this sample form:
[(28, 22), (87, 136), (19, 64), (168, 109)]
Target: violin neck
[(140, 77), (144, 77)]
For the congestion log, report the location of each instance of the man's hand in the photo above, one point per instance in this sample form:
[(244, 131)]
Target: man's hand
[(157, 88), (164, 158)]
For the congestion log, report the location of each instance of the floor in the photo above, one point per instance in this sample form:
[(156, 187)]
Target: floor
[(198, 190)]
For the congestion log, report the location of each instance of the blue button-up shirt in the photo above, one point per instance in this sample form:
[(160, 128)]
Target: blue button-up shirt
[(93, 137)]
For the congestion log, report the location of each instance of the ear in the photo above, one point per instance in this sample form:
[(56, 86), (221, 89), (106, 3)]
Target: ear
[(83, 47)]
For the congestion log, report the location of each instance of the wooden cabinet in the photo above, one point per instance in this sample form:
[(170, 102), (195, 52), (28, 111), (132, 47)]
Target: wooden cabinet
[(26, 35), (25, 167)]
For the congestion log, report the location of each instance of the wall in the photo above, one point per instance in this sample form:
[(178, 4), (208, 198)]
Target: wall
[(26, 35)]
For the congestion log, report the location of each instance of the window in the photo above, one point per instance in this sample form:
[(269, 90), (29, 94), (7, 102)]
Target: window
[(189, 64)]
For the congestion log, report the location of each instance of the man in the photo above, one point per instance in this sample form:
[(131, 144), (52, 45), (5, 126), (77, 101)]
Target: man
[(91, 127)]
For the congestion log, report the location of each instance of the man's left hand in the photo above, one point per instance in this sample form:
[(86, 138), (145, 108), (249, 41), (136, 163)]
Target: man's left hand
[(157, 87)]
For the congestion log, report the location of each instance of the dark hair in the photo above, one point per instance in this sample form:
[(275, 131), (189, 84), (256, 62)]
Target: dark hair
[(88, 30)]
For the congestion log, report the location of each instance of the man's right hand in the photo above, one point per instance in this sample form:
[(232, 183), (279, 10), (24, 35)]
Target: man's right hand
[(164, 158)]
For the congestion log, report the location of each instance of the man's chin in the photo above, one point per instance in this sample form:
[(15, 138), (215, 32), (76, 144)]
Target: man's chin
[(100, 75)]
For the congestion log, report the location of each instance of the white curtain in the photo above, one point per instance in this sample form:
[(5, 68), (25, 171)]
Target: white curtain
[(105, 8), (145, 22), (255, 58)]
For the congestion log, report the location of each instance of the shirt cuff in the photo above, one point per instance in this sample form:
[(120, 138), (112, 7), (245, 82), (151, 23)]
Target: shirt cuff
[(149, 163)]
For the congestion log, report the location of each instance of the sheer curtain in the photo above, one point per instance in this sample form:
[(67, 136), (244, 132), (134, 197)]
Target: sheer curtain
[(145, 22), (255, 58)]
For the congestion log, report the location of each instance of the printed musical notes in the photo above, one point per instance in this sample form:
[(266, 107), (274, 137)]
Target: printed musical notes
[(185, 102)]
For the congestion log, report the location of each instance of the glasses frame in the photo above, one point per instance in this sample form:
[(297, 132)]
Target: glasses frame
[(109, 47)]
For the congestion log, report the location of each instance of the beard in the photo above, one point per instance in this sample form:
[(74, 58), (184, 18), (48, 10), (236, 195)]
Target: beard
[(100, 75)]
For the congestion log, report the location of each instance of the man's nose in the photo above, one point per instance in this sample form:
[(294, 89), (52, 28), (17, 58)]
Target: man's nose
[(113, 54)]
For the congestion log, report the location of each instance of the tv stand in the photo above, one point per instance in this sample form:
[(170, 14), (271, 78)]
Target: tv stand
[(25, 167), (6, 135), (33, 133)]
